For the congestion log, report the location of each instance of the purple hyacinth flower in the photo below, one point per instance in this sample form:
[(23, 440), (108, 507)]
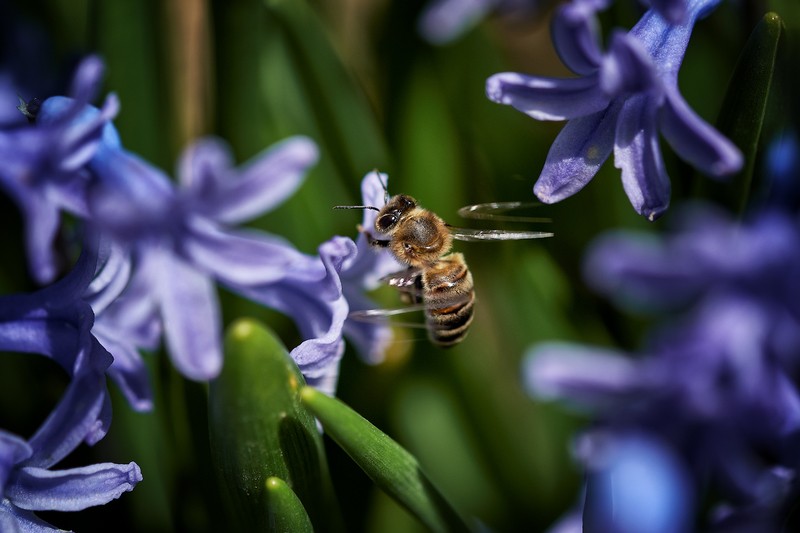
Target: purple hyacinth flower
[(56, 322), (43, 164), (716, 382), (181, 240), (621, 102)]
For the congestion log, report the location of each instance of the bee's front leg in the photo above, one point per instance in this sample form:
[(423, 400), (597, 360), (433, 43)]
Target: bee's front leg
[(372, 241)]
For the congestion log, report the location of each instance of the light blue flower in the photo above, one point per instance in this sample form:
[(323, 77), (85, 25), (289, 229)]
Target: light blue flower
[(43, 168), (621, 102)]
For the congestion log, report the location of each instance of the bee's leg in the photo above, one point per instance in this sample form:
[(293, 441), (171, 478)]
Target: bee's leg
[(372, 241)]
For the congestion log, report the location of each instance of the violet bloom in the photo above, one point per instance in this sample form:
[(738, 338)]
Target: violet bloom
[(56, 322), (622, 100), (43, 168), (181, 240), (443, 21), (718, 382)]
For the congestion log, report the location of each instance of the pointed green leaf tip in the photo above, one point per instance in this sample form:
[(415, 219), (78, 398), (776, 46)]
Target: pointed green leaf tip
[(388, 464), (259, 429), (286, 512), (743, 109)]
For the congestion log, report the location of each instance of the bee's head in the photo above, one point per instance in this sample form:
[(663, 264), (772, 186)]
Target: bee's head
[(390, 214)]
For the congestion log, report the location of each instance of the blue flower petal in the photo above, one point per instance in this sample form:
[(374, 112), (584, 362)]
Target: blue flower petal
[(264, 182), (37, 489), (695, 140), (238, 257), (590, 378), (16, 520), (547, 98), (638, 154), (190, 312), (576, 155)]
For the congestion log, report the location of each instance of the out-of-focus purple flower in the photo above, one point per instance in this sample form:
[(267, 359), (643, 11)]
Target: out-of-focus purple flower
[(443, 21), (718, 383), (180, 239), (622, 100), (44, 164), (56, 322)]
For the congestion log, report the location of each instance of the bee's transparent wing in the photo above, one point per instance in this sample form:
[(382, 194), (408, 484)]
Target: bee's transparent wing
[(381, 316), (470, 234), (494, 210)]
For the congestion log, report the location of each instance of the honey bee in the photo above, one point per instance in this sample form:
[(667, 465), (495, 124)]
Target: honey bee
[(435, 280)]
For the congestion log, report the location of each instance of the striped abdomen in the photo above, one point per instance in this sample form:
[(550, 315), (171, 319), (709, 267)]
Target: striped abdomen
[(449, 297)]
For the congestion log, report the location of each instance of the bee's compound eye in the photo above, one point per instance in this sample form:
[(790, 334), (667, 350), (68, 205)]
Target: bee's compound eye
[(386, 221)]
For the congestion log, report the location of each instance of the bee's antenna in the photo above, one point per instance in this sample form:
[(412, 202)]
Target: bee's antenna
[(356, 207), (386, 195)]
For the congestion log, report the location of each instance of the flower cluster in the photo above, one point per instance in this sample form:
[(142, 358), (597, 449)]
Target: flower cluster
[(714, 392), (621, 101), (56, 322), (153, 255)]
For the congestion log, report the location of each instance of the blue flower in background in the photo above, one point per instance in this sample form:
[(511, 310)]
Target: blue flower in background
[(180, 239), (443, 21), (56, 322), (622, 100), (715, 383), (43, 167)]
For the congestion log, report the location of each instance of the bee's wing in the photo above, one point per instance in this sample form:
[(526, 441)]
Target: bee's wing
[(493, 210), (469, 234), (380, 316)]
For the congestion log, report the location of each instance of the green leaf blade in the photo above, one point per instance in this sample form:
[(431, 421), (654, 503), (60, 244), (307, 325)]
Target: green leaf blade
[(388, 464)]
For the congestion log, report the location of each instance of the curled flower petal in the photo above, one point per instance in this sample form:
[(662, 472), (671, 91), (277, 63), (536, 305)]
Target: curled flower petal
[(638, 155), (696, 141), (38, 489), (576, 35), (128, 369), (547, 98)]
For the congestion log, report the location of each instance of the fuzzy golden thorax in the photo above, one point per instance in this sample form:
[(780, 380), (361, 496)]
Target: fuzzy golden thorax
[(417, 236)]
